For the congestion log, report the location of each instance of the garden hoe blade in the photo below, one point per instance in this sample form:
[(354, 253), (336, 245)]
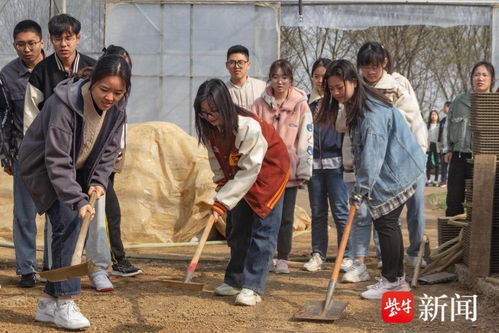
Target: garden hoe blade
[(314, 310), (187, 284), (329, 309), (76, 269), (70, 272)]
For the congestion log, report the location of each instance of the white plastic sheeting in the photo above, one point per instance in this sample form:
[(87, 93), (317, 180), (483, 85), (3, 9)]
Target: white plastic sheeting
[(174, 48), (355, 17)]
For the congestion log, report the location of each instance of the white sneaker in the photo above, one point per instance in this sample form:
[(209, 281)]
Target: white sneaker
[(356, 273), (346, 263), (281, 267), (226, 290), (314, 264), (377, 290), (45, 310), (101, 282), (380, 264), (248, 297), (414, 260), (68, 315)]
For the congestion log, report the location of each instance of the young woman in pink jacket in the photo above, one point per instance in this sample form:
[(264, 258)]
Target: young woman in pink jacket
[(286, 108)]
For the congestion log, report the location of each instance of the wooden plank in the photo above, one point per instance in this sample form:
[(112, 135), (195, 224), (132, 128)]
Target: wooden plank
[(484, 173)]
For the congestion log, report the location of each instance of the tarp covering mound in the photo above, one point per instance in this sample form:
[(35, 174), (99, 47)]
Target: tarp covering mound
[(165, 190)]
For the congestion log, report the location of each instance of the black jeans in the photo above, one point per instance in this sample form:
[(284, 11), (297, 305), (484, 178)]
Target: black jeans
[(113, 215), (391, 243), (458, 171), (433, 161), (285, 237), (443, 167)]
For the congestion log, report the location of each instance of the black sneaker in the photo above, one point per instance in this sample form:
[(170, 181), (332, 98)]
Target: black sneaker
[(125, 268), (27, 281)]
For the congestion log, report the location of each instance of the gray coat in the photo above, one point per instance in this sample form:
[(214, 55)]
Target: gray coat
[(50, 147)]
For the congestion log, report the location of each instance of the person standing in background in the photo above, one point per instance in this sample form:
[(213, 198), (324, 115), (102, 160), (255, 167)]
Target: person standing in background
[(244, 90), (442, 142), (28, 43)]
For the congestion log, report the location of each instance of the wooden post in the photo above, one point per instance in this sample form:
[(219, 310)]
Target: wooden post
[(484, 178)]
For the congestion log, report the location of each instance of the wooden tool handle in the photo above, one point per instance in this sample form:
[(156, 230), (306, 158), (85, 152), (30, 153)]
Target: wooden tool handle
[(76, 259), (344, 241), (194, 262), (417, 268)]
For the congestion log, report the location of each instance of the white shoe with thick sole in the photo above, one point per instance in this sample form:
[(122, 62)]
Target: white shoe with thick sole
[(314, 264), (377, 290), (248, 297), (346, 263), (356, 273), (45, 310), (226, 290), (68, 315)]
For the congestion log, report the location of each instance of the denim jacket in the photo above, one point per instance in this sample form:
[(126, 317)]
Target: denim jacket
[(388, 159)]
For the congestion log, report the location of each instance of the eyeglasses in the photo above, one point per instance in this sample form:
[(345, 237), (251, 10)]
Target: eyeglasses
[(240, 63), (206, 115), (22, 45), (67, 39)]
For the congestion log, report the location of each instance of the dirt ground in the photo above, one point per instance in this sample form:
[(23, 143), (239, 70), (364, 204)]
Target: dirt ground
[(143, 304)]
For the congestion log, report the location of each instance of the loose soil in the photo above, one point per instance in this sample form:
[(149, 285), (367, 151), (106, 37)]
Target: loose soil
[(143, 304)]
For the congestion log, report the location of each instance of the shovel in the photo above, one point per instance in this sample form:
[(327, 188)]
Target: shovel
[(76, 269), (329, 310), (187, 284)]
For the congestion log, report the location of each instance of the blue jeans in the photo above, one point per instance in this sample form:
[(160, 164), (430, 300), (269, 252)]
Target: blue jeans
[(416, 217), (65, 229), (252, 241), (361, 230), (24, 225), (328, 184)]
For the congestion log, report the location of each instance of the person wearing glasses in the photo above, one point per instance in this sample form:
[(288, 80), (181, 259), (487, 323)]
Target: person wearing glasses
[(64, 63), (244, 90), (286, 108), (14, 77)]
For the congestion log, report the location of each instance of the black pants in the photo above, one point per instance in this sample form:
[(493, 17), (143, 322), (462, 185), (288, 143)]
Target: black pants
[(285, 237), (113, 215), (433, 161), (391, 243), (443, 167), (459, 169)]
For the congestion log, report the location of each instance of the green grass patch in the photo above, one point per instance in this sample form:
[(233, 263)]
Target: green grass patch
[(438, 200)]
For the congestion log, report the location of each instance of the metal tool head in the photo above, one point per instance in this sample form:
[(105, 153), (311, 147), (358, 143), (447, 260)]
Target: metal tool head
[(183, 285), (69, 272), (314, 311)]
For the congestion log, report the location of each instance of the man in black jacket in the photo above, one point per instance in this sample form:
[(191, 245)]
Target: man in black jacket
[(64, 62), (28, 44)]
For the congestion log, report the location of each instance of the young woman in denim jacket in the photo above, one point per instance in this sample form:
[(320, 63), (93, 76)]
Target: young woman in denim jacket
[(326, 186), (388, 162), (459, 136), (373, 62)]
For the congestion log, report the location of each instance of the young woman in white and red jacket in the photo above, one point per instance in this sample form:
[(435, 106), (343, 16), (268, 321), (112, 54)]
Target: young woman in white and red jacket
[(286, 108), (251, 168)]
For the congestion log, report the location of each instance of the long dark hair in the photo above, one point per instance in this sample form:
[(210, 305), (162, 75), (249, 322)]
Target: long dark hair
[(490, 69), (216, 93), (429, 118), (357, 105), (112, 65)]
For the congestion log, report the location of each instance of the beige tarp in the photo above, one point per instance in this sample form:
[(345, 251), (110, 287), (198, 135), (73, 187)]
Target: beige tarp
[(165, 190)]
